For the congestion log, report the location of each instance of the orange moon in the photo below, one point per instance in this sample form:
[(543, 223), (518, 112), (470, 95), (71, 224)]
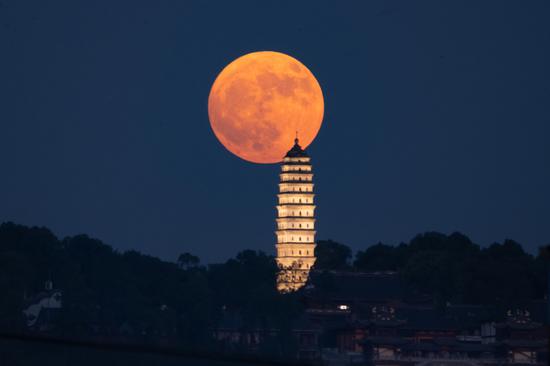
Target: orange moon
[(260, 101)]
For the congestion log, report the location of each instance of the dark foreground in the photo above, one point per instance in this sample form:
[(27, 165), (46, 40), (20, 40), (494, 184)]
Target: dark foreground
[(29, 350)]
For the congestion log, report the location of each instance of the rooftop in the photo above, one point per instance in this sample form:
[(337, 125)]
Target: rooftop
[(296, 151)]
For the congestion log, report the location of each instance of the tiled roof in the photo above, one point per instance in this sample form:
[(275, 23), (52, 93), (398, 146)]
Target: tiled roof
[(296, 151)]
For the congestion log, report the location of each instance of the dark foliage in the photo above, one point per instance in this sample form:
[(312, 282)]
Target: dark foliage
[(139, 297), (453, 269), (332, 255), (134, 296)]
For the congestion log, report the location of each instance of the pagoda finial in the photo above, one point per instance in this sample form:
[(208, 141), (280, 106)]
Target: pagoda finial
[(296, 150)]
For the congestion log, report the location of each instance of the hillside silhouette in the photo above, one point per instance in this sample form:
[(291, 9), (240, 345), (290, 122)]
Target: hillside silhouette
[(133, 297)]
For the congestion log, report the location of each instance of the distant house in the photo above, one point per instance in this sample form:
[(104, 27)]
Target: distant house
[(236, 335), (40, 308), (371, 319), (515, 343), (371, 313), (524, 340)]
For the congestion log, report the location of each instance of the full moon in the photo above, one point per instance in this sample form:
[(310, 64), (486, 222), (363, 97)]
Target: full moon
[(260, 102)]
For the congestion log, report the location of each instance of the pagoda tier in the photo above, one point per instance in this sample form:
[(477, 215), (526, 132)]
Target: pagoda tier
[(295, 220)]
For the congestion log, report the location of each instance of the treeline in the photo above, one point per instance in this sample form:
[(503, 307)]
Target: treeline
[(129, 294), (108, 294), (451, 268)]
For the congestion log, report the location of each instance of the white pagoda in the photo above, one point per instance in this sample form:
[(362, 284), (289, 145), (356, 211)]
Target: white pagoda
[(295, 220)]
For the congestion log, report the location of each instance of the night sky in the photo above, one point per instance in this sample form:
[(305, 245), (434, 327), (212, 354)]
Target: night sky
[(437, 117)]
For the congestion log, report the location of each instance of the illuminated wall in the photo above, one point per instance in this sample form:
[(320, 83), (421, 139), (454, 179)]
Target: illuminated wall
[(295, 220)]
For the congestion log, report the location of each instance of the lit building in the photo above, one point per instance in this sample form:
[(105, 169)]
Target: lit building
[(295, 220)]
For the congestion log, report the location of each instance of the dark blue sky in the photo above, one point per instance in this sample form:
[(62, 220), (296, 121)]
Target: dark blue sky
[(437, 118)]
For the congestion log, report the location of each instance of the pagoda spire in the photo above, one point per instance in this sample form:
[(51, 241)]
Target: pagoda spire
[(295, 220)]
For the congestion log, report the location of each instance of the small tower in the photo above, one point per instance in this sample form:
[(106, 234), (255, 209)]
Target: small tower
[(295, 220)]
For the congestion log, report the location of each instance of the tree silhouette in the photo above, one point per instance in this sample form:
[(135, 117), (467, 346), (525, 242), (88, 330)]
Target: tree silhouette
[(332, 255), (107, 293), (187, 260)]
